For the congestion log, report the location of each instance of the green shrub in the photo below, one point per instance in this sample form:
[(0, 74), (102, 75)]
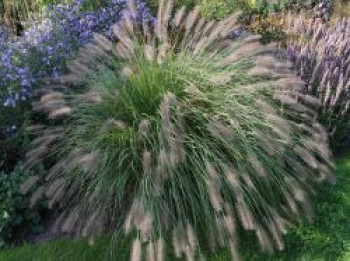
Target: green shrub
[(210, 9), (16, 218), (179, 3), (270, 28), (217, 9), (14, 139), (260, 8), (177, 132), (265, 18)]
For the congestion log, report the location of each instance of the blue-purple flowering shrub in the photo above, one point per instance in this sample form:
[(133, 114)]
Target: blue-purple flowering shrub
[(42, 52), (12, 138), (46, 45), (15, 75)]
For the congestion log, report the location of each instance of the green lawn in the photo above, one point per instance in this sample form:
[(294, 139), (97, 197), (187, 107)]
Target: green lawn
[(327, 239)]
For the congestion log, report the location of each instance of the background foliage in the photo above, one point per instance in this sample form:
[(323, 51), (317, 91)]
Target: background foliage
[(16, 218)]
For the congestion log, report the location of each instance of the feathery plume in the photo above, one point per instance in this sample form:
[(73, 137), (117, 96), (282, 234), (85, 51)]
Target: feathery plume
[(136, 250)]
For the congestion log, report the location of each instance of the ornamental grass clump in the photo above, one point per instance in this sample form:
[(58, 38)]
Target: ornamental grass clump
[(321, 56), (179, 137)]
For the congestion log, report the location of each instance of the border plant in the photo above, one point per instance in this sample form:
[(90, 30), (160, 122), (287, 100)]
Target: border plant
[(177, 131)]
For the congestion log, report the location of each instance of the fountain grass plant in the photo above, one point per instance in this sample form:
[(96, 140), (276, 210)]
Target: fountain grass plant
[(179, 137)]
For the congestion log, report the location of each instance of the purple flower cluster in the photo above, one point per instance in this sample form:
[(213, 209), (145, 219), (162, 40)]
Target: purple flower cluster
[(47, 44), (15, 76), (321, 56)]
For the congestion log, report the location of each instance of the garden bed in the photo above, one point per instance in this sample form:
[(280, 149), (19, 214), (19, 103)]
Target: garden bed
[(177, 131)]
